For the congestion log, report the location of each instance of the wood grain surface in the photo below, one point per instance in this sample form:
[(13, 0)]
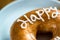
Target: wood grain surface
[(4, 3)]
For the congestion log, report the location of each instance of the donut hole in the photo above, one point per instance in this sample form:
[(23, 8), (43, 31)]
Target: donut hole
[(44, 35)]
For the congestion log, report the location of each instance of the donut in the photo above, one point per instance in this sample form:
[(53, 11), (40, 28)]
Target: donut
[(36, 22)]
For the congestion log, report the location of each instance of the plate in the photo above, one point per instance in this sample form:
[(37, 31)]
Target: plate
[(16, 9)]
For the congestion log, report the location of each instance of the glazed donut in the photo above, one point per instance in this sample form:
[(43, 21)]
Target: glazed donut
[(39, 20)]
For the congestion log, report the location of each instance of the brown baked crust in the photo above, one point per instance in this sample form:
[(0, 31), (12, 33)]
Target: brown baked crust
[(17, 33)]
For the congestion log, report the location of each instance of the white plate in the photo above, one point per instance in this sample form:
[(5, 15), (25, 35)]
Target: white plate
[(17, 8)]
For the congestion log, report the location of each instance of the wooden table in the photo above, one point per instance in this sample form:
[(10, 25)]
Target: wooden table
[(4, 3)]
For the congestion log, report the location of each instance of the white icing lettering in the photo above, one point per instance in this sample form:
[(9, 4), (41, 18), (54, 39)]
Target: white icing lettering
[(23, 23), (54, 14), (28, 19), (33, 17), (47, 10), (40, 13)]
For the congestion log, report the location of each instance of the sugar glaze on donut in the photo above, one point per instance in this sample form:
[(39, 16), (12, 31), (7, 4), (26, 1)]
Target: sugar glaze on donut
[(46, 10), (45, 19)]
